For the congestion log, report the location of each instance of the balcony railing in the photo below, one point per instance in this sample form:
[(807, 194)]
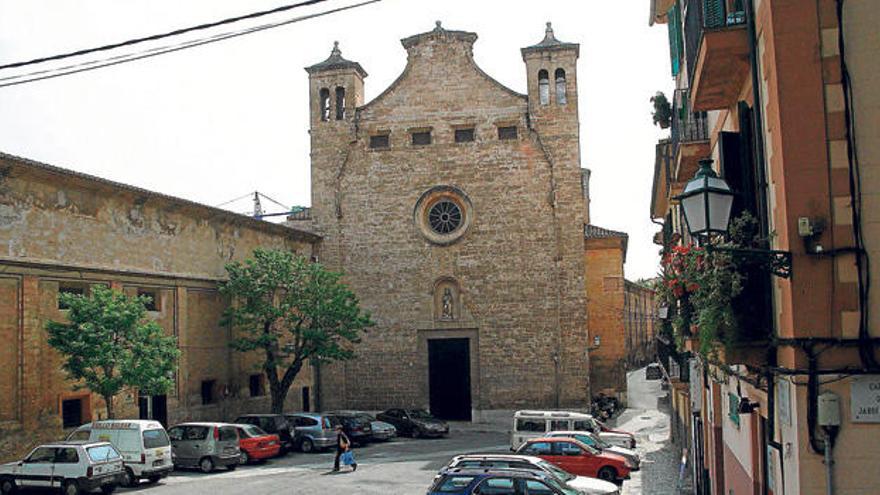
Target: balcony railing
[(714, 38), (687, 126)]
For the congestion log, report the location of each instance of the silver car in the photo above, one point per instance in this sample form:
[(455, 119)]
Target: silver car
[(313, 431), (205, 446)]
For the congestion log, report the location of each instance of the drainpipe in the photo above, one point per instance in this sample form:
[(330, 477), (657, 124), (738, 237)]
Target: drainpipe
[(829, 471)]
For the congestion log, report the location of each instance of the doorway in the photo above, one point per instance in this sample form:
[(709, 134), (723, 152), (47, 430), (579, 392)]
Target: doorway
[(154, 407), (449, 378)]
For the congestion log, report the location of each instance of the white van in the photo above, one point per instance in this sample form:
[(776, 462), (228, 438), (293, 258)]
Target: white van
[(144, 445), (536, 424)]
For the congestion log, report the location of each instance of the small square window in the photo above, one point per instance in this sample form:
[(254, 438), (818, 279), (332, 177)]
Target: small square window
[(68, 288), (256, 385), (208, 391), (421, 138), (464, 135), (507, 132), (155, 303), (379, 141)]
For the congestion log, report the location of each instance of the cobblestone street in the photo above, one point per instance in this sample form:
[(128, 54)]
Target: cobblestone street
[(648, 418)]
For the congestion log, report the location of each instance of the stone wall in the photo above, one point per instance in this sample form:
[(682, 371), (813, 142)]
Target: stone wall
[(65, 230), (605, 307), (517, 271)]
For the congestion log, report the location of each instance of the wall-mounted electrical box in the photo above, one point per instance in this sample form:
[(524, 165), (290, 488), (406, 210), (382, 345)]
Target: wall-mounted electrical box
[(829, 409)]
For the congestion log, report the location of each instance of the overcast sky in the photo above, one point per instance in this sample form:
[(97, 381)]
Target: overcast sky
[(215, 122)]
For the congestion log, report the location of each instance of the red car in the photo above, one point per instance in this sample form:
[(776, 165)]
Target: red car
[(577, 458), (256, 444)]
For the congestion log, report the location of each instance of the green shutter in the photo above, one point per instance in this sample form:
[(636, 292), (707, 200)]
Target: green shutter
[(673, 20), (713, 13), (733, 406)]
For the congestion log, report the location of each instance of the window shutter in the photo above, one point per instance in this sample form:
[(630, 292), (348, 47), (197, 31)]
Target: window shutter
[(713, 13), (675, 37)]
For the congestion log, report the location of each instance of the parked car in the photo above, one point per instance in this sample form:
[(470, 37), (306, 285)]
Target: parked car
[(255, 444), (313, 431), (577, 458), (535, 424), (498, 482), (584, 484), (356, 428), (382, 431), (74, 467), (143, 444), (205, 446), (414, 422), (593, 440), (276, 424)]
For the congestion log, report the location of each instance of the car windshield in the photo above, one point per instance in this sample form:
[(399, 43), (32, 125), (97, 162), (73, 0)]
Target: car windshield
[(602, 444), (366, 417), (100, 453), (419, 414), (555, 471), (155, 438), (454, 484)]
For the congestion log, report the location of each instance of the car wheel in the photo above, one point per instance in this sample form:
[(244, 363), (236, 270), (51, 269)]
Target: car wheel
[(108, 489), (607, 474), (70, 487), (415, 433), (306, 445), (244, 458), (7, 486), (231, 467), (206, 465), (130, 480)]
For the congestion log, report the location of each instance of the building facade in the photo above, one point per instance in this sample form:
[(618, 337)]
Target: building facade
[(784, 95), (638, 324), (456, 208), (64, 231)]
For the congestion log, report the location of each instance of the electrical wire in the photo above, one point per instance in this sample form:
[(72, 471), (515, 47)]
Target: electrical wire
[(168, 34), (234, 200), (120, 59)]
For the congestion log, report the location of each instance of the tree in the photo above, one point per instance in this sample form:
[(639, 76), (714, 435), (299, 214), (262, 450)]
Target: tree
[(108, 345), (291, 310)]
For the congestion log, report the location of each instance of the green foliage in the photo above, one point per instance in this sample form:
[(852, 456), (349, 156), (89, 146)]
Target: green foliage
[(291, 310), (108, 344), (700, 285), (662, 114)]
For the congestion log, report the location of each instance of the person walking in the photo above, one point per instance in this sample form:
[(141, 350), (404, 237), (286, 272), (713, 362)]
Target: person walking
[(343, 446)]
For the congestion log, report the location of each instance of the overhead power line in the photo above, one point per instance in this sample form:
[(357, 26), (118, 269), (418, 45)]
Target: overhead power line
[(155, 37), (131, 57)]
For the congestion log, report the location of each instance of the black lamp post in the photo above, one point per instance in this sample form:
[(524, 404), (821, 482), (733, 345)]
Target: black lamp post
[(707, 202)]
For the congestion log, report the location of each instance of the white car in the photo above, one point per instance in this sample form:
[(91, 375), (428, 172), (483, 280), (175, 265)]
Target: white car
[(144, 445), (74, 467), (584, 484), (535, 424), (594, 440)]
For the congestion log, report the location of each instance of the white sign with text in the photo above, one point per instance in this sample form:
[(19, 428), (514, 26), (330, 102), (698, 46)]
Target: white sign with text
[(865, 401)]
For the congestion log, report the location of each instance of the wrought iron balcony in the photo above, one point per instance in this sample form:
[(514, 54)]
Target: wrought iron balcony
[(717, 49), (690, 136)]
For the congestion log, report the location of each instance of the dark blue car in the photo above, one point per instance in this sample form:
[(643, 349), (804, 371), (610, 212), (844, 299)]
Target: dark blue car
[(470, 481)]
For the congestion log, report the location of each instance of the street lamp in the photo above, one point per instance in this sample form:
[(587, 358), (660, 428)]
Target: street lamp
[(707, 202)]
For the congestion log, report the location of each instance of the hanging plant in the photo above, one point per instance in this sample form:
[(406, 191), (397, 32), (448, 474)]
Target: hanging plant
[(662, 110)]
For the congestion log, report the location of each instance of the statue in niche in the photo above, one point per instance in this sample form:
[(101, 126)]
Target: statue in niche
[(447, 312)]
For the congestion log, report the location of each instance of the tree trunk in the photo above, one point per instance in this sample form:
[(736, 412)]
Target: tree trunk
[(279, 395), (280, 389), (108, 402)]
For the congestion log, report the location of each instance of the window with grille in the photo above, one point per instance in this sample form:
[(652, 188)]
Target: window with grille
[(379, 141), (421, 138), (507, 132), (464, 135)]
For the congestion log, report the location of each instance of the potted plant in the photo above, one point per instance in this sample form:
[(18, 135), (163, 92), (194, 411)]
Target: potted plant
[(662, 110)]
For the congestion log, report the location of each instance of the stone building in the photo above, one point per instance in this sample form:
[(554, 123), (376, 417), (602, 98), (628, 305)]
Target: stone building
[(63, 231), (620, 313), (456, 207)]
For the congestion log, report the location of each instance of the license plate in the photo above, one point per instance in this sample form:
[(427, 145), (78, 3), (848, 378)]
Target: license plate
[(160, 453), (273, 442)]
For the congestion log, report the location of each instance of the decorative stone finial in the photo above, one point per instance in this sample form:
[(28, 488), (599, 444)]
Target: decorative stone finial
[(439, 25), (548, 33), (336, 50)]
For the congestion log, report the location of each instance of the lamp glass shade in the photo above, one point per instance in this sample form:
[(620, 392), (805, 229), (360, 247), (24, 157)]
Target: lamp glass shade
[(706, 202)]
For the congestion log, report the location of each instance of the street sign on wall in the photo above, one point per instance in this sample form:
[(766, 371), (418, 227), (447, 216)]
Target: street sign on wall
[(865, 399)]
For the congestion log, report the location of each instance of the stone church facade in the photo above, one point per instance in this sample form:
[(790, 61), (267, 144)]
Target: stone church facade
[(456, 208)]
